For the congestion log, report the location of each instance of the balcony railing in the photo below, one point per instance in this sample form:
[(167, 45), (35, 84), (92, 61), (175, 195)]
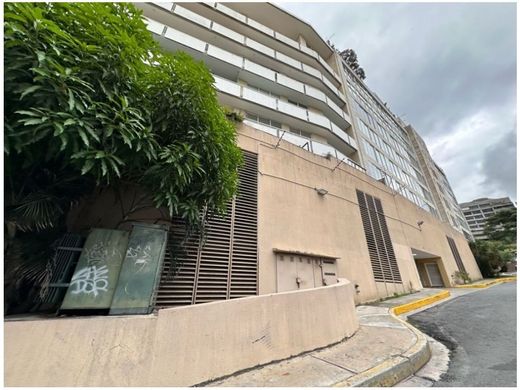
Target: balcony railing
[(211, 25), (284, 107), (308, 144), (244, 63), (259, 26)]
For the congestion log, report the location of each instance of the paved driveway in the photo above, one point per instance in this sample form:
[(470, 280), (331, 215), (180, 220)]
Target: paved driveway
[(480, 331)]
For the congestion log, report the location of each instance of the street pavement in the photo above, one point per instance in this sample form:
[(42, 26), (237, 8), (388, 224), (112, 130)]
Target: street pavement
[(480, 331)]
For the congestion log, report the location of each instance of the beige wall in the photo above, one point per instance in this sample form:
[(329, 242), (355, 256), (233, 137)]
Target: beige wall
[(292, 216), (178, 347)]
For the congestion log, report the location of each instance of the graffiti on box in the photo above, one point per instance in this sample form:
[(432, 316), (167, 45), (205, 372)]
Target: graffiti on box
[(93, 278)]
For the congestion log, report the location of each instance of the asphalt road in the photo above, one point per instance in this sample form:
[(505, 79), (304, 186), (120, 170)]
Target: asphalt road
[(480, 331)]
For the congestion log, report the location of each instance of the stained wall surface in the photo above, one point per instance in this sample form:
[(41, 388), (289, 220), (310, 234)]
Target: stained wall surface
[(294, 217)]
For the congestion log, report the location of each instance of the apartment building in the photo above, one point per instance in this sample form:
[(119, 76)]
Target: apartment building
[(448, 209), (477, 211), (331, 185)]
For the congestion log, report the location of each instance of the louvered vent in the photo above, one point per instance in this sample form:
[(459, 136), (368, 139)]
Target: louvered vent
[(380, 249), (456, 254), (225, 267)]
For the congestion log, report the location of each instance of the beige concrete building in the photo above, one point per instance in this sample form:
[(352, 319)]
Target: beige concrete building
[(294, 89), (315, 206)]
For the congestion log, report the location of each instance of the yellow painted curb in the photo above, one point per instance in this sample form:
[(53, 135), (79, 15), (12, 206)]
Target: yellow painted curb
[(397, 310), (488, 284)]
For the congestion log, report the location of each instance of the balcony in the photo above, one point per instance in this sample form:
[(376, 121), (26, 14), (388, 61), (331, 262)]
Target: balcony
[(219, 60), (285, 112), (204, 28), (308, 144)]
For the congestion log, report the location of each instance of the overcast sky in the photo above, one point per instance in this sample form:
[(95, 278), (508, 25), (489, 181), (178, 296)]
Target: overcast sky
[(449, 70)]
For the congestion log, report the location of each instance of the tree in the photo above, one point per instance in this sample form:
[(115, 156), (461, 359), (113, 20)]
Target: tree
[(92, 101), (502, 226), (491, 256), (350, 57)]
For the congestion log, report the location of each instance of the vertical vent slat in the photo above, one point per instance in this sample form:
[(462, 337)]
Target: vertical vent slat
[(380, 249), (226, 266), (456, 254)]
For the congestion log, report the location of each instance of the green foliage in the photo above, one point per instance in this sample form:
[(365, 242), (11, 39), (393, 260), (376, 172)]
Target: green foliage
[(502, 226), (491, 256), (105, 103), (91, 100), (462, 276)]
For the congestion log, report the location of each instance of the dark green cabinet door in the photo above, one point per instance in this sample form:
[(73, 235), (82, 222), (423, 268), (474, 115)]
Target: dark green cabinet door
[(95, 278), (140, 271)]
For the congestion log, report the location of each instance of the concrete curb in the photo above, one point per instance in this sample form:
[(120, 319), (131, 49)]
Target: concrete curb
[(401, 309), (398, 368), (488, 284)]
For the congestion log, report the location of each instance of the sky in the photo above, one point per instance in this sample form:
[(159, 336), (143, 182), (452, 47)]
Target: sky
[(449, 69)]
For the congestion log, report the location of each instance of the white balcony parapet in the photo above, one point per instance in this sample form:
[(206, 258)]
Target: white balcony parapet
[(260, 70), (230, 12), (185, 39), (226, 56), (243, 40), (315, 93), (319, 119), (308, 144), (259, 98), (244, 63), (292, 110), (229, 33), (286, 40), (166, 5), (194, 17), (259, 47), (284, 107), (291, 83), (227, 86), (310, 52), (260, 26), (153, 26)]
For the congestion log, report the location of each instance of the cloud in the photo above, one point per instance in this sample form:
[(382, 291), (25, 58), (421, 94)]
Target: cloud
[(449, 69)]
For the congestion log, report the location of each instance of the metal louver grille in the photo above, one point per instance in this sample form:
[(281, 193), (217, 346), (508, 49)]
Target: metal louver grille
[(62, 267), (225, 267), (380, 249), (456, 254)]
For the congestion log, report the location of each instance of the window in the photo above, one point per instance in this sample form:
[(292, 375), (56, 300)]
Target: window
[(298, 104), (265, 121)]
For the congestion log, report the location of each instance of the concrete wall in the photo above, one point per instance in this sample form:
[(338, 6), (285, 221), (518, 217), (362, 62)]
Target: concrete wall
[(178, 347), (292, 216)]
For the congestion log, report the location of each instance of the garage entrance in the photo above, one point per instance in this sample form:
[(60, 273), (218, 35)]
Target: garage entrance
[(431, 270)]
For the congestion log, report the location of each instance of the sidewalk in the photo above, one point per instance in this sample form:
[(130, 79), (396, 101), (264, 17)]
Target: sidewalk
[(384, 351)]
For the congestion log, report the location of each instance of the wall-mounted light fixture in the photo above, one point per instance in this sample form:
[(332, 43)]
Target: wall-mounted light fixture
[(419, 223), (321, 191)]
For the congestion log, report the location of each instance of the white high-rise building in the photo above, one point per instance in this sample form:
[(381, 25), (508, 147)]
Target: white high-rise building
[(287, 81)]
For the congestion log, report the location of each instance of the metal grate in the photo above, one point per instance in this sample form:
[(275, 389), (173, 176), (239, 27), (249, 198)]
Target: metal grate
[(225, 266), (380, 249), (62, 267), (456, 254)]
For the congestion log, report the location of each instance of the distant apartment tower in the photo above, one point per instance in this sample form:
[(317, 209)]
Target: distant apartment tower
[(445, 201), (477, 211)]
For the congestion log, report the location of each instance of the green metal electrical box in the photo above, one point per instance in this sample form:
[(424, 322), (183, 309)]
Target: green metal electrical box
[(95, 278), (141, 270)]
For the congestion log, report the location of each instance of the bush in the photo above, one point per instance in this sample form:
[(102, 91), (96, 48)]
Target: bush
[(491, 256)]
